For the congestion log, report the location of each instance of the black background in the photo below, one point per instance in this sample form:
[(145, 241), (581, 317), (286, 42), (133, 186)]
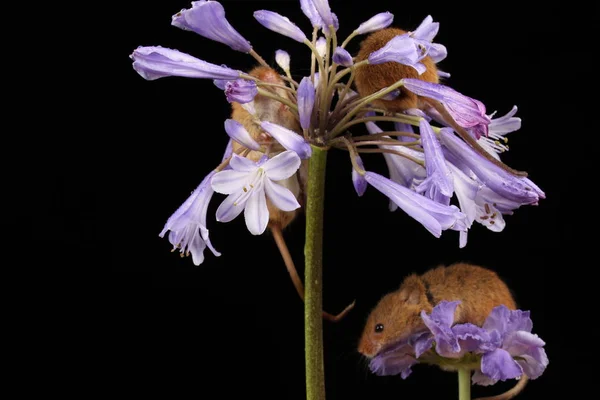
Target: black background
[(234, 325)]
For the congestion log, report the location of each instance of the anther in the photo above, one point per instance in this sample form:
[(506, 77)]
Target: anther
[(487, 208)]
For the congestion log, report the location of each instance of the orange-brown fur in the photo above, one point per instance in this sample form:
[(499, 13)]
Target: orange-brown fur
[(272, 111), (371, 78), (478, 289)]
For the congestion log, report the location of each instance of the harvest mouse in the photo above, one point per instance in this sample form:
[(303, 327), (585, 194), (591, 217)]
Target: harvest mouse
[(397, 316)]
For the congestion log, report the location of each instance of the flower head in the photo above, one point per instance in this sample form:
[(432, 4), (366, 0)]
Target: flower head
[(375, 23), (280, 24), (342, 57), (249, 184), (424, 36), (241, 91), (400, 49), (207, 18), (495, 142)]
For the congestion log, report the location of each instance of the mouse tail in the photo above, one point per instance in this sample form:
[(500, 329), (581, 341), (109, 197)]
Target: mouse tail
[(291, 267), (509, 394)]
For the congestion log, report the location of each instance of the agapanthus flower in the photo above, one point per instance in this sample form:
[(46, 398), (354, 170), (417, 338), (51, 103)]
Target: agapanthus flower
[(375, 23), (308, 8), (240, 90), (306, 101), (280, 24), (495, 142), (322, 7), (342, 57), (288, 139), (358, 181), (237, 132), (207, 18), (249, 184), (158, 62), (282, 58), (400, 49), (424, 36)]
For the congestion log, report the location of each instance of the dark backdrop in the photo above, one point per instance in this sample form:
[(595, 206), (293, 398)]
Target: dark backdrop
[(234, 325)]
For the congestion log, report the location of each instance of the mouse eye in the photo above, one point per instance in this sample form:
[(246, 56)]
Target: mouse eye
[(379, 328)]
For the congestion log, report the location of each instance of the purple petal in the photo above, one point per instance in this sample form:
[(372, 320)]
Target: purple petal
[(534, 363), (398, 362), (241, 91), (473, 338), (438, 52), (342, 57), (499, 365), (283, 59), (433, 216), (280, 196), (322, 7), (280, 24), (220, 83), (288, 139), (207, 18), (256, 212), (282, 166), (500, 181), (237, 132), (427, 30), (359, 182), (439, 184), (375, 23), (308, 8), (442, 317), (519, 343), (228, 150), (229, 181), (229, 209), (443, 74), (444, 312), (158, 62), (400, 49), (423, 344), (505, 124), (306, 101), (480, 379)]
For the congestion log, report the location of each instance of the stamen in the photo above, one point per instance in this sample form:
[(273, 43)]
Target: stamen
[(484, 217), (494, 215), (487, 208), (492, 222)]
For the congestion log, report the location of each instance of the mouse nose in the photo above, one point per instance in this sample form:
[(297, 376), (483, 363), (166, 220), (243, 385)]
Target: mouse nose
[(366, 347)]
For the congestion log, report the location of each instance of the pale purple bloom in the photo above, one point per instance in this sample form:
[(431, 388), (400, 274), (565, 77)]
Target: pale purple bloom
[(241, 91), (306, 101), (288, 139), (237, 132), (424, 36), (321, 46), (282, 58), (359, 182), (495, 142), (438, 185), (397, 360), (220, 83), (308, 8), (511, 187), (249, 184), (375, 23), (280, 24), (158, 62), (433, 216), (467, 112), (322, 7), (400, 49), (466, 191), (402, 170), (342, 57), (207, 18)]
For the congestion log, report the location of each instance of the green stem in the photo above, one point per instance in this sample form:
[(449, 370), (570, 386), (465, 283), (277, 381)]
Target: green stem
[(313, 300), (464, 384)]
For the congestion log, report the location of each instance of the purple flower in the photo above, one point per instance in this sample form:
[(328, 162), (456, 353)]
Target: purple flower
[(207, 18), (308, 8), (397, 360), (288, 139), (400, 49), (433, 216), (359, 182), (322, 7), (157, 62), (508, 186), (518, 351), (188, 223), (495, 142), (241, 91), (283, 60), (249, 184), (280, 24), (375, 23), (237, 132), (467, 112), (424, 35), (438, 186), (342, 57), (306, 101)]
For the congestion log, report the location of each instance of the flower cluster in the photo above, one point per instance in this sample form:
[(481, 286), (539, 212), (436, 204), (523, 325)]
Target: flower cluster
[(503, 348), (446, 176)]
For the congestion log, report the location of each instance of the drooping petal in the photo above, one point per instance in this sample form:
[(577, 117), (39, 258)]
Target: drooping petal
[(229, 209), (438, 52), (308, 8), (500, 181), (280, 196), (499, 365), (439, 183), (520, 342), (375, 23), (237, 132), (207, 18), (359, 182), (397, 362), (241, 91), (342, 57), (423, 344), (306, 101), (534, 362), (256, 212), (288, 139), (280, 24), (158, 62), (282, 166), (506, 124), (229, 181), (283, 60)]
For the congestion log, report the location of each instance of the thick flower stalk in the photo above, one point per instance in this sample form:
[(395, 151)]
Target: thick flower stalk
[(441, 148)]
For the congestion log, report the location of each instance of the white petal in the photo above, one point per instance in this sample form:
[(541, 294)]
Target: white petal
[(229, 181), (257, 213), (280, 196), (229, 209), (242, 164), (282, 166)]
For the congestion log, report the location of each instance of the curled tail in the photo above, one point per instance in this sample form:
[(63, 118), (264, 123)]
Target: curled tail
[(509, 394)]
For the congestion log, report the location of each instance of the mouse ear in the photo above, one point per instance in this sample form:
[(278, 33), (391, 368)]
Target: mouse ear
[(412, 290)]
